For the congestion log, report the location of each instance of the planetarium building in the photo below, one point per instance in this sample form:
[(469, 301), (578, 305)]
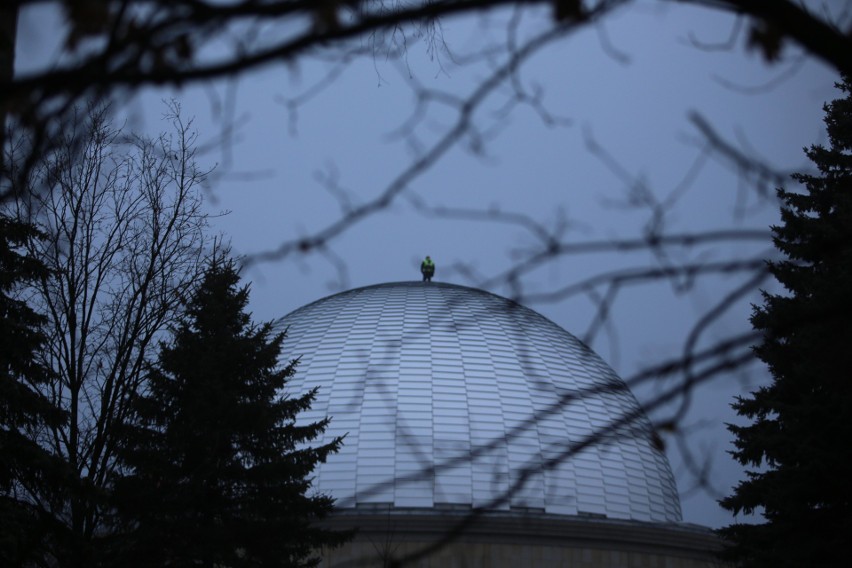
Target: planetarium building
[(479, 433)]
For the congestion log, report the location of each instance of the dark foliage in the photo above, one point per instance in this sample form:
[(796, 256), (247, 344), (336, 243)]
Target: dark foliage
[(798, 441), (25, 468), (220, 469), (124, 241)]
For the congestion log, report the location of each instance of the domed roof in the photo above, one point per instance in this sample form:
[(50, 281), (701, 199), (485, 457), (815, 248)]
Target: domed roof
[(453, 397)]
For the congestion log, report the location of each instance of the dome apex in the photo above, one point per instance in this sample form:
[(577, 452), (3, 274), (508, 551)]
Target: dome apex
[(453, 397)]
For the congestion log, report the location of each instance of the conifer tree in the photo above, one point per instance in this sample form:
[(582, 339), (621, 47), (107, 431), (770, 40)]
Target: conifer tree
[(799, 441), (220, 470), (26, 469)]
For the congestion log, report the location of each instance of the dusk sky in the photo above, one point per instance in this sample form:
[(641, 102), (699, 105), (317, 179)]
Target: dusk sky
[(630, 85)]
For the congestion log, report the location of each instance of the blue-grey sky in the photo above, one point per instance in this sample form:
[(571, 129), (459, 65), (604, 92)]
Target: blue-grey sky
[(629, 84)]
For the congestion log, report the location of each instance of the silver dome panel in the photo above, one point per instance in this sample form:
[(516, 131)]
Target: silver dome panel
[(451, 397)]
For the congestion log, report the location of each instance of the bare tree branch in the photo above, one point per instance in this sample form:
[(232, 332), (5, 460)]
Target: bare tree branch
[(126, 244)]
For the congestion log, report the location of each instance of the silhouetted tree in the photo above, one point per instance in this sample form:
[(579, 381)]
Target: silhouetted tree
[(124, 241), (25, 467), (221, 470), (114, 49), (799, 437)]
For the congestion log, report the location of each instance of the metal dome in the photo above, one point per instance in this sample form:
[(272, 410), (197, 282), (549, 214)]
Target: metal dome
[(452, 397)]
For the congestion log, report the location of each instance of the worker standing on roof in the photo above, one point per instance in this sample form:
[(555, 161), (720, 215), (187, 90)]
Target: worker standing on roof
[(427, 269)]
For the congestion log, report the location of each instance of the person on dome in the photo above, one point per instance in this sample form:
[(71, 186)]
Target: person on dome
[(427, 269)]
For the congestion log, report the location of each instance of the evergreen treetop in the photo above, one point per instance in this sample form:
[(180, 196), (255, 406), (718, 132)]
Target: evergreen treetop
[(220, 468), (798, 442)]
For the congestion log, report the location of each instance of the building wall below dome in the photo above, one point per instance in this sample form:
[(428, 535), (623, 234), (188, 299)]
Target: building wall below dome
[(512, 541), (495, 555)]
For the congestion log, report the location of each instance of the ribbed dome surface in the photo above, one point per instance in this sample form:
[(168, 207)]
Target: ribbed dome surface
[(451, 396)]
